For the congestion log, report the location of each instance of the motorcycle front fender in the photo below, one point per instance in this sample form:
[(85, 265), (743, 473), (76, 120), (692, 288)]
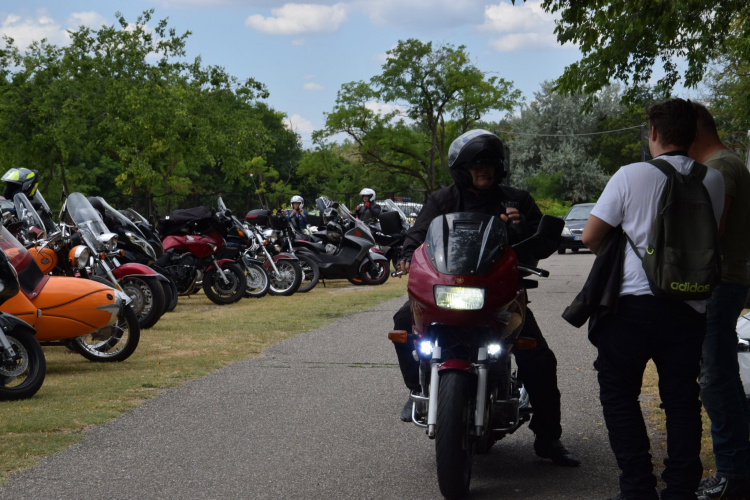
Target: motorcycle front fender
[(457, 364), (250, 260), (132, 269), (8, 323), (374, 257), (221, 263), (284, 255)]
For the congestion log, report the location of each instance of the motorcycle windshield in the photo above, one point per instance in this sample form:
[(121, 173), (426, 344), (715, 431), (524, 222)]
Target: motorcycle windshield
[(322, 203), (136, 217), (19, 257), (221, 205), (121, 219), (40, 199), (28, 214), (465, 243), (87, 219)]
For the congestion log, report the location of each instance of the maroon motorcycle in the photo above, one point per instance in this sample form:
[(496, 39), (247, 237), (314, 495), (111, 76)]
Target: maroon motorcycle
[(192, 239)]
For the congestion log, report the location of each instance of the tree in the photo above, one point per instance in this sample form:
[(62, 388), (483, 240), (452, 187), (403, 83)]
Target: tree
[(622, 40), (400, 120)]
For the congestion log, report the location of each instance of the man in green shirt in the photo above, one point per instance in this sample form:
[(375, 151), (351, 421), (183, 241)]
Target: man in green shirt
[(721, 388)]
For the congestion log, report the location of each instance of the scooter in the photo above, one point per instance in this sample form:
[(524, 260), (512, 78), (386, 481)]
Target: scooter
[(467, 291), (22, 363), (88, 316)]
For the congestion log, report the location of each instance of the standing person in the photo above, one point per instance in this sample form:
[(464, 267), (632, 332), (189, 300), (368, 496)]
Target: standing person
[(722, 393), (298, 215), (475, 162), (368, 209), (667, 330)]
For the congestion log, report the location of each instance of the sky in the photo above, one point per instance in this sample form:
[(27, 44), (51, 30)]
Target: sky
[(304, 52)]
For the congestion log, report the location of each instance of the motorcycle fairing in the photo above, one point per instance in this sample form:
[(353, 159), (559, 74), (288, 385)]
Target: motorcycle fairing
[(9, 323), (465, 243), (132, 269), (458, 364), (197, 244)]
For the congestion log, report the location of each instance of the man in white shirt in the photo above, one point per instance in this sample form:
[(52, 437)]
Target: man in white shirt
[(647, 327)]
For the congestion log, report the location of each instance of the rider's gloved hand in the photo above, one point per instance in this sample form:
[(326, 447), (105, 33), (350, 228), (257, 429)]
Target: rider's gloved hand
[(403, 267), (513, 215)]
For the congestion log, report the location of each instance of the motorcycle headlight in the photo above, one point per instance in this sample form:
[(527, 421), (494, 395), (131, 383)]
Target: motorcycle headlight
[(143, 244), (108, 241), (566, 232), (79, 256), (459, 297), (270, 235)]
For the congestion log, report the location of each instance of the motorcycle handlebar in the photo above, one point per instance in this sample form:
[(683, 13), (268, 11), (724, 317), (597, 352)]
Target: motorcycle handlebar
[(533, 270)]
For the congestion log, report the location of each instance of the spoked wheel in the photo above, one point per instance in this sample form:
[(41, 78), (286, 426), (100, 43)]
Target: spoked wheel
[(22, 377), (147, 299), (111, 343), (310, 273), (453, 446), (257, 281), (374, 273), (288, 279), (225, 292)]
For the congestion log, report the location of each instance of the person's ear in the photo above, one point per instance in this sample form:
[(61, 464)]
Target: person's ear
[(653, 134)]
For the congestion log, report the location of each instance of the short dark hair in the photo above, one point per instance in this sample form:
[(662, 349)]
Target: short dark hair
[(705, 121), (676, 120)]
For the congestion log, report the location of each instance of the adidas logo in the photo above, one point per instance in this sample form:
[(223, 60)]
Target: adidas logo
[(687, 287)]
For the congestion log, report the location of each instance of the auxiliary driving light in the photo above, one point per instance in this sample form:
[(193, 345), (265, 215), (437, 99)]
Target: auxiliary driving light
[(459, 297), (425, 347), (494, 350)]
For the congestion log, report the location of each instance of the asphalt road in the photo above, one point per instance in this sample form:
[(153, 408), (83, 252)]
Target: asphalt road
[(316, 417)]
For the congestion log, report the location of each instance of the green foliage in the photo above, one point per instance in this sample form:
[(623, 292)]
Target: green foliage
[(551, 206), (622, 40), (402, 121)]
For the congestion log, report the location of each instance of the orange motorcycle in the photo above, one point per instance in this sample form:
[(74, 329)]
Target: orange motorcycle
[(90, 317)]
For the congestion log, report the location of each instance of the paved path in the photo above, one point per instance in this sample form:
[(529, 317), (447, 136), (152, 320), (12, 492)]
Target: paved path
[(316, 417)]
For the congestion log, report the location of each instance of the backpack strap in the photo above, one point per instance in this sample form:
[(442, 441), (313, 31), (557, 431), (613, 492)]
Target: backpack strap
[(632, 245), (663, 165), (698, 171)]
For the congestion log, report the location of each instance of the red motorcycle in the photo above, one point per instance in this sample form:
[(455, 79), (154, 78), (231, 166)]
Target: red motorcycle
[(192, 238), (467, 291)]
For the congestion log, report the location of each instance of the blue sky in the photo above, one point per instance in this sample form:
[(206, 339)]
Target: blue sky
[(304, 52)]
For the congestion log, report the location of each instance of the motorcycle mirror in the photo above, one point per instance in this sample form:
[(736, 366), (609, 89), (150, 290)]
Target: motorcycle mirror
[(335, 204), (545, 241)]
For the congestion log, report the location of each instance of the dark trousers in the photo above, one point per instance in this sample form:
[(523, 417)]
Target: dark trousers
[(722, 393), (671, 333), (536, 367)]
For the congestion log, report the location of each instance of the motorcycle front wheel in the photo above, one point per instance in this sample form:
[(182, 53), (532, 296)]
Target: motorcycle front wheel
[(454, 449), (257, 281), (170, 295), (220, 292), (374, 273), (111, 343), (288, 279), (21, 378), (147, 299), (311, 273)]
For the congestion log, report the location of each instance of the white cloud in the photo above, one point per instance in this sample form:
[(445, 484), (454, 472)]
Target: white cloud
[(523, 27), (384, 109), (312, 86), (300, 125), (89, 19), (33, 28), (298, 42), (298, 18)]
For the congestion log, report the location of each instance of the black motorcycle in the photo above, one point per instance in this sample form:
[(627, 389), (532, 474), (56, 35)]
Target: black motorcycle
[(389, 231), (346, 249)]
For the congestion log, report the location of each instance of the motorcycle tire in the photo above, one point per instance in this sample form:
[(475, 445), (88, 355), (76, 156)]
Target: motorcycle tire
[(290, 279), (147, 299), (311, 274), (111, 343), (26, 376), (170, 295), (454, 448), (222, 293), (257, 281), (376, 274), (355, 281)]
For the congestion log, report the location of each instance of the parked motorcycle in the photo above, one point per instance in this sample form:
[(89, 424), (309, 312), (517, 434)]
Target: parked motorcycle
[(240, 244), (346, 249), (283, 267), (22, 363), (467, 289), (389, 230), (192, 239), (90, 317)]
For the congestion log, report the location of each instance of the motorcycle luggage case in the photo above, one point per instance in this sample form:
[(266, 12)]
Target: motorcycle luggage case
[(259, 217)]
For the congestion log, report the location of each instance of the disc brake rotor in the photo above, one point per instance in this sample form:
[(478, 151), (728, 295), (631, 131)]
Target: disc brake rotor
[(15, 368), (226, 288)]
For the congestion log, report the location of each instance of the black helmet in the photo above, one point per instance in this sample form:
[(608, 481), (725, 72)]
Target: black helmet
[(334, 232), (20, 180), (475, 145), (329, 214)]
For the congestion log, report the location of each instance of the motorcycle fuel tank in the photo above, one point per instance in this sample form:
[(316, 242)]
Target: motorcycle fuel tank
[(200, 245), (46, 258)]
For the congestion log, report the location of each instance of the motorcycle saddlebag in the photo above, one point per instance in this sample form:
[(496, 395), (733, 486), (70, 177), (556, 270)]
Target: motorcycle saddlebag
[(179, 219), (259, 217)]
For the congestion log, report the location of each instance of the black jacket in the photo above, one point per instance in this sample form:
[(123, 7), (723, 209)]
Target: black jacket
[(366, 213), (491, 202), (601, 292)]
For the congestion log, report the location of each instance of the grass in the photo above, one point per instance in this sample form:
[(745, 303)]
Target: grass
[(196, 339)]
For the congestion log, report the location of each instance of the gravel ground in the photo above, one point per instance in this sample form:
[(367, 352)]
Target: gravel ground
[(316, 417)]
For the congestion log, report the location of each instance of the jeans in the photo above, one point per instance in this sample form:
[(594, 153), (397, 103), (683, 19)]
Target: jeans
[(721, 387), (671, 333), (536, 367)]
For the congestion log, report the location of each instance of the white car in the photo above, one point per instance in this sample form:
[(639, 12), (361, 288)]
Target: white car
[(743, 350)]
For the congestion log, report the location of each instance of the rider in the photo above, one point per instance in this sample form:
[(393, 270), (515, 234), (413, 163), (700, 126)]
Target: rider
[(298, 215), (475, 161), (23, 180), (368, 209)]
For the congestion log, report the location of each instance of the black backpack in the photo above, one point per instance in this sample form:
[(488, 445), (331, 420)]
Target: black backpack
[(682, 259)]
